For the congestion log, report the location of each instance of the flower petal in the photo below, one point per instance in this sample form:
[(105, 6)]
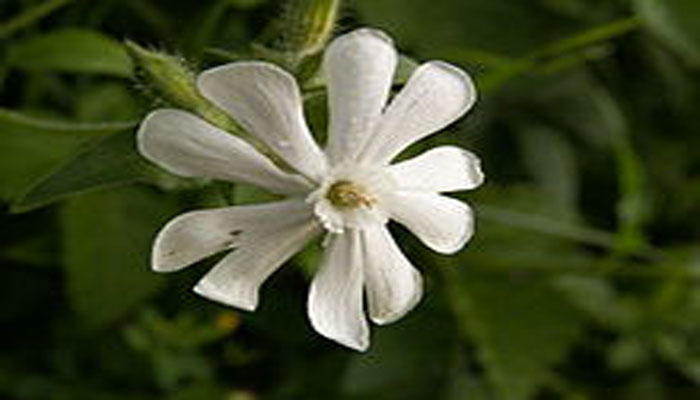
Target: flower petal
[(442, 223), (436, 95), (266, 101), (195, 235), (442, 169), (359, 68), (188, 146), (392, 284), (261, 250), (335, 299)]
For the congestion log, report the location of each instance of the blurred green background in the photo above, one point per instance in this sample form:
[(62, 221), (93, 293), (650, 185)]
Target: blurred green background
[(581, 282)]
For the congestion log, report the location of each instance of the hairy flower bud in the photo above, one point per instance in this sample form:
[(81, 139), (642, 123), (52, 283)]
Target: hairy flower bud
[(301, 32), (168, 78)]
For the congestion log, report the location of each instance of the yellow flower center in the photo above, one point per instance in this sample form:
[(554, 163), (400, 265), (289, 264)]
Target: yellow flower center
[(346, 194)]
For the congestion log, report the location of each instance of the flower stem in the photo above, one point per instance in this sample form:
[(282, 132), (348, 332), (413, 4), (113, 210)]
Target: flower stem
[(11, 117), (550, 54), (548, 226), (31, 16)]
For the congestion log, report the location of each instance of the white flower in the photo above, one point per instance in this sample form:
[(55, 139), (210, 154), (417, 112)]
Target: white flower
[(348, 190)]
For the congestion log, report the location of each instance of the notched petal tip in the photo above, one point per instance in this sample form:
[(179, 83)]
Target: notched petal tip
[(166, 255), (460, 238), (461, 81), (471, 167), (386, 319), (358, 343), (211, 292), (442, 223), (335, 301), (191, 237), (474, 169), (158, 266), (364, 34), (390, 316), (358, 67), (266, 101), (393, 286), (457, 246), (146, 130), (441, 169), (436, 95), (213, 77), (361, 346)]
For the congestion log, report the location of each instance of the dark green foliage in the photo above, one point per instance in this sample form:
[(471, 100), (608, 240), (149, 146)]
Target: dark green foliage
[(71, 50), (112, 161), (581, 282)]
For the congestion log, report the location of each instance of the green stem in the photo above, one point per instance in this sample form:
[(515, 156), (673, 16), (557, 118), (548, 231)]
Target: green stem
[(587, 38), (208, 27), (548, 226), (578, 42), (448, 269), (620, 271), (65, 127), (31, 16), (633, 203)]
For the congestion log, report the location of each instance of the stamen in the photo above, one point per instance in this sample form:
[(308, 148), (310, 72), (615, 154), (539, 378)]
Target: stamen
[(346, 194)]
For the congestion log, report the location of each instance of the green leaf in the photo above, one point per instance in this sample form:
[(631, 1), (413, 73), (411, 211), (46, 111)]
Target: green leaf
[(599, 300), (513, 219), (31, 16), (522, 329), (465, 383), (25, 155), (111, 161), (71, 50), (247, 4), (634, 203), (107, 238), (110, 101), (15, 120), (676, 22), (199, 391), (646, 385), (457, 24), (407, 360), (551, 160), (579, 98)]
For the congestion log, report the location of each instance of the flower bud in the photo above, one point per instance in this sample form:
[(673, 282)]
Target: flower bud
[(169, 79), (301, 32)]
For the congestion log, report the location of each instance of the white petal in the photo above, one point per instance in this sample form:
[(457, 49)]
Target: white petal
[(392, 284), (442, 223), (435, 95), (188, 146), (195, 235), (266, 101), (335, 299), (236, 279), (442, 169), (359, 69)]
